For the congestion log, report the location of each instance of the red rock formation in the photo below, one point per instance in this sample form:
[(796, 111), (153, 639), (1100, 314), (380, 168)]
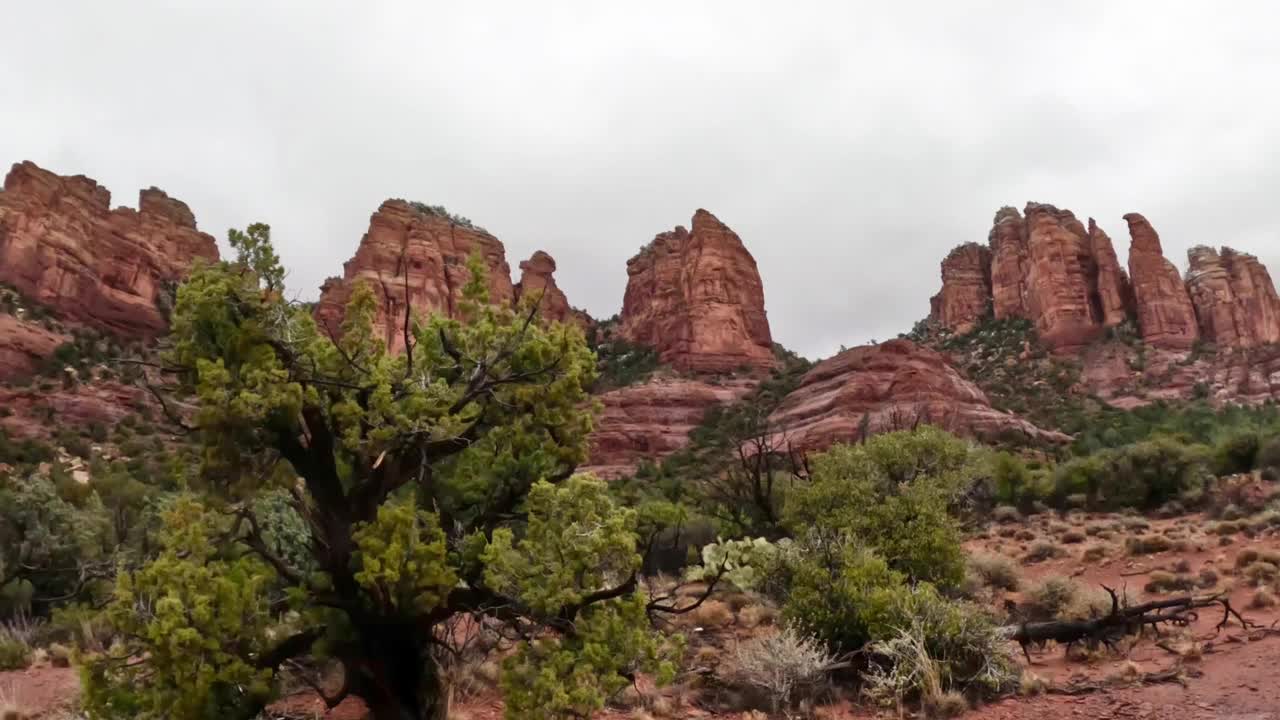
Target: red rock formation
[(1008, 241), (1234, 298), (1061, 276), (24, 345), (63, 246), (652, 420), (101, 402), (1166, 317), (891, 386), (414, 256), (1114, 292), (696, 297), (965, 298), (537, 276)]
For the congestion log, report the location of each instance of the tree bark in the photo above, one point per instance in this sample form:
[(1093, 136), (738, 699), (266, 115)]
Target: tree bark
[(396, 676)]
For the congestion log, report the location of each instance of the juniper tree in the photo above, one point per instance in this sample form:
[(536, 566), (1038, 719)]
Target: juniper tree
[(433, 484)]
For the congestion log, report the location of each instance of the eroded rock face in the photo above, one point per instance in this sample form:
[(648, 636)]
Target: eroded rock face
[(891, 386), (62, 245), (1008, 241), (38, 413), (965, 298), (1166, 317), (1114, 291), (537, 276), (652, 420), (695, 296), (1061, 277), (1234, 298), (24, 346), (415, 259)]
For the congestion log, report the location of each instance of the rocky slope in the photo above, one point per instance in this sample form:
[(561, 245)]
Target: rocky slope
[(64, 247), (892, 386), (696, 296), (649, 421)]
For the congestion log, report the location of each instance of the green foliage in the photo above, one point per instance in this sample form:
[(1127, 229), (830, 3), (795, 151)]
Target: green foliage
[(741, 563), (1144, 475), (894, 494), (402, 560), (23, 453), (1237, 453), (840, 592), (44, 539), (387, 494), (622, 364), (579, 544), (193, 623), (440, 211)]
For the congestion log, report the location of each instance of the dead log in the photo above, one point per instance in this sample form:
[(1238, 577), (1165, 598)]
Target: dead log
[(1123, 621)]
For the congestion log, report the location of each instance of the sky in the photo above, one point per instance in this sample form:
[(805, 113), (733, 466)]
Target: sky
[(849, 144)]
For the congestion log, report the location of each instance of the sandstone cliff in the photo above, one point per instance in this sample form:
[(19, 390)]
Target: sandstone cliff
[(1234, 298), (891, 386), (414, 256), (1008, 241), (1166, 317), (61, 245), (965, 298), (1113, 289), (696, 297)]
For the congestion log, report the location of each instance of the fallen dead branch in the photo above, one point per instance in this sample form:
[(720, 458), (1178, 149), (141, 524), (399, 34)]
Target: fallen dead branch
[(1123, 621), (1176, 676)]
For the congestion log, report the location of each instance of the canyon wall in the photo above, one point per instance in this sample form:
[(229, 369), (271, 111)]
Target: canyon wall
[(64, 247)]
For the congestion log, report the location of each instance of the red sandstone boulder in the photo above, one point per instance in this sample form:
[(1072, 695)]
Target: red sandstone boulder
[(62, 245), (652, 420), (891, 386), (1234, 298), (695, 296), (414, 256), (1166, 317), (965, 298)]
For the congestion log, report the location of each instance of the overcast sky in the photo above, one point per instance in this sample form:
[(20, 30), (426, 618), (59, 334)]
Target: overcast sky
[(850, 144)]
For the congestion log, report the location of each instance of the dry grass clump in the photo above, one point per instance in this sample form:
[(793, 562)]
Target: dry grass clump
[(1094, 553), (1031, 684), (780, 669), (712, 614), (1024, 535), (1208, 578), (996, 571), (1043, 550), (947, 705), (1262, 599), (1147, 544), (1049, 598), (1135, 524), (1006, 514), (1165, 582), (1073, 537), (754, 616), (1260, 572)]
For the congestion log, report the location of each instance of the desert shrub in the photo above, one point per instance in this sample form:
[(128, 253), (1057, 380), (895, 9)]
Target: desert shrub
[(1262, 599), (1269, 458), (996, 571), (1006, 514), (1094, 553), (1237, 453), (1246, 557), (840, 593), (1147, 544), (15, 653), (1164, 582), (1013, 484), (785, 667), (1049, 598), (937, 647), (1260, 573), (894, 494), (1043, 550), (1073, 537)]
